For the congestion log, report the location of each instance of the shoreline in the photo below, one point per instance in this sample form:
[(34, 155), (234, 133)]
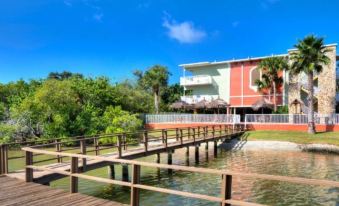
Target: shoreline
[(236, 144)]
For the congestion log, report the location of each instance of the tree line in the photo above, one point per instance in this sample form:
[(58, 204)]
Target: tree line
[(69, 104)]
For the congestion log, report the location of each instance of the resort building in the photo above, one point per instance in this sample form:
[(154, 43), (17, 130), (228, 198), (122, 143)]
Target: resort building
[(234, 82)]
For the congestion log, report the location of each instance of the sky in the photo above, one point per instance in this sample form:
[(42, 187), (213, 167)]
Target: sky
[(115, 37)]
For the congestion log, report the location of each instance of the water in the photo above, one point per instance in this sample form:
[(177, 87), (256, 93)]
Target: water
[(287, 163)]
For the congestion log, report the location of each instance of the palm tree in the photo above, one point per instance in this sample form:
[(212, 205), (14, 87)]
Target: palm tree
[(309, 58), (155, 78), (271, 78)]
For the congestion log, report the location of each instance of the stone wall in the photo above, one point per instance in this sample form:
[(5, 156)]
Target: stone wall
[(327, 85)]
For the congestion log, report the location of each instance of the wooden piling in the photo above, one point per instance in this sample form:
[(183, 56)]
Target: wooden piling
[(83, 151), (196, 153), (111, 171), (74, 181), (226, 188), (158, 158), (29, 171), (125, 175), (135, 192)]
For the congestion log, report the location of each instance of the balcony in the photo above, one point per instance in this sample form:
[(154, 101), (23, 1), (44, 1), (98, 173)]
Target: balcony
[(197, 98), (196, 80)]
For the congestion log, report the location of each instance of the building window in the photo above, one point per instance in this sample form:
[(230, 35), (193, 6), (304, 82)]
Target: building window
[(255, 74)]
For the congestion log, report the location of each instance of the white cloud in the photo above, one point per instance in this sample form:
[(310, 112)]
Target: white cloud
[(98, 16), (184, 32)]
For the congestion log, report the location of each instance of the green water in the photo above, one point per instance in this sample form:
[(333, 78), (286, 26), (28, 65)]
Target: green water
[(287, 163)]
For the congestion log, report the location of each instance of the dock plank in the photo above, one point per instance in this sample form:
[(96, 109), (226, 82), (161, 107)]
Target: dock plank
[(15, 192)]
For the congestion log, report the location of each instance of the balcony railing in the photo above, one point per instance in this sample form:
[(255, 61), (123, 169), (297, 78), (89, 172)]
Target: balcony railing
[(197, 98), (196, 80)]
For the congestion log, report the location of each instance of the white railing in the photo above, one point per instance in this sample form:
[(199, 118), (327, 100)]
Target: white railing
[(196, 80), (290, 119), (191, 118), (197, 98)]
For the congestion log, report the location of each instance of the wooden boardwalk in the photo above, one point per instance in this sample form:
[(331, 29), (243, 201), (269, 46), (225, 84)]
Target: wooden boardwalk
[(44, 177), (17, 192)]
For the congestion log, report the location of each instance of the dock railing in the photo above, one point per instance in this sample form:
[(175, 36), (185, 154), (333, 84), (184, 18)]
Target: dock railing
[(290, 119), (12, 157), (192, 118), (225, 197)]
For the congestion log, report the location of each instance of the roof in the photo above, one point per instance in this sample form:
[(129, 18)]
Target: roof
[(201, 64)]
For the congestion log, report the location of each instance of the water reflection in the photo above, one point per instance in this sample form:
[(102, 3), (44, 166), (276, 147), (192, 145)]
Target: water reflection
[(289, 163)]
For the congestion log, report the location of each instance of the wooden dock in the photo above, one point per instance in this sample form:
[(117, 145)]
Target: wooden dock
[(17, 192), (44, 177)]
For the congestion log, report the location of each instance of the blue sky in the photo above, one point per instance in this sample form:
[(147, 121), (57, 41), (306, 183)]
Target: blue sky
[(115, 37)]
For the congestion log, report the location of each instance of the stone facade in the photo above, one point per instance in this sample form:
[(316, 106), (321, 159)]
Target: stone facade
[(326, 96), (327, 86)]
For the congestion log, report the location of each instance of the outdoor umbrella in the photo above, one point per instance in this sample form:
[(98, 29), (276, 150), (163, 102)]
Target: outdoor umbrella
[(181, 105), (178, 105), (262, 103), (201, 104), (218, 103)]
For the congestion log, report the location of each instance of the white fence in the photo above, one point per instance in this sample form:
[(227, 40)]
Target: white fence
[(191, 118), (290, 119)]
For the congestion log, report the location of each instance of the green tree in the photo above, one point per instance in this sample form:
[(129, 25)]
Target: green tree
[(63, 75), (309, 58), (132, 98), (155, 79), (118, 121), (6, 133), (54, 105), (271, 78), (170, 95)]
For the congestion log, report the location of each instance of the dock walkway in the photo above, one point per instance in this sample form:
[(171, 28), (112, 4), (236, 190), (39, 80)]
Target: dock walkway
[(17, 192)]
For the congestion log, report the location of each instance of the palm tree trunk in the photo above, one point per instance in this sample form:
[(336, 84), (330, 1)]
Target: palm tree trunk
[(275, 97), (311, 125), (156, 102)]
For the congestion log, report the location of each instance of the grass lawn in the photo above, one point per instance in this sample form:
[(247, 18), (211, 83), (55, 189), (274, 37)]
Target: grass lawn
[(297, 137)]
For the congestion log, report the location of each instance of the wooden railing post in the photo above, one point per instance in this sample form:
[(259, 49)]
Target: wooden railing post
[(135, 192), (74, 180), (119, 146), (166, 137), (58, 149), (96, 146), (226, 188), (146, 141), (220, 130), (188, 133), (181, 137), (177, 134), (83, 151), (3, 159), (163, 136), (5, 151), (213, 132), (124, 137), (198, 131), (193, 134), (29, 162)]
